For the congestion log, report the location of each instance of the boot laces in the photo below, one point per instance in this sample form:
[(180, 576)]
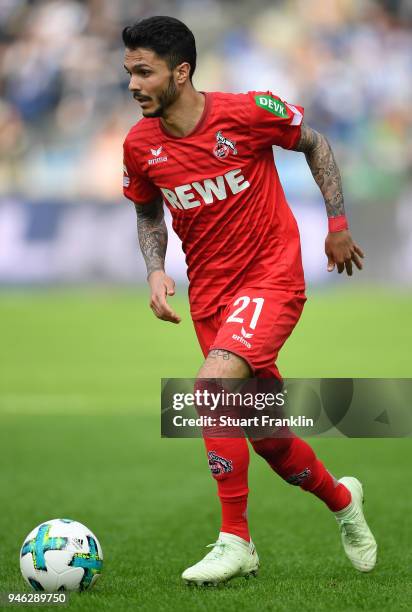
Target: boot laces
[(217, 551), (350, 529)]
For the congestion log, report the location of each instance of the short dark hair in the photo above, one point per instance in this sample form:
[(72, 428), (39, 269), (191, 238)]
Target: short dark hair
[(168, 37)]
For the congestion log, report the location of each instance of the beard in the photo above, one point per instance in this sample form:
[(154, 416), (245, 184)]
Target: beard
[(166, 98)]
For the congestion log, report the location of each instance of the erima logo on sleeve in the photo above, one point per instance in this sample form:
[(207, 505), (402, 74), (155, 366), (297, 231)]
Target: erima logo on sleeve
[(274, 106)]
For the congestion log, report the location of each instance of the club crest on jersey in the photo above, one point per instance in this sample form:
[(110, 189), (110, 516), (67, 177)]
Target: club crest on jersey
[(224, 146), (218, 464)]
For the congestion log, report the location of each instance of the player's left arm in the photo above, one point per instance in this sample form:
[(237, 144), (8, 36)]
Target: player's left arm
[(339, 246)]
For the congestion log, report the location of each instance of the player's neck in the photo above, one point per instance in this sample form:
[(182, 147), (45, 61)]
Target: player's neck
[(183, 116)]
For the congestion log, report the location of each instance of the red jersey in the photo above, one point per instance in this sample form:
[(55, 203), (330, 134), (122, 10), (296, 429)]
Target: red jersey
[(222, 188)]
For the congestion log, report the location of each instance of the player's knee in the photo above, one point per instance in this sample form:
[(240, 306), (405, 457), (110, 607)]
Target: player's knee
[(224, 364), (207, 391)]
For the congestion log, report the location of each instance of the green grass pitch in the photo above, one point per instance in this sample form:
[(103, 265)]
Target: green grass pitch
[(80, 438)]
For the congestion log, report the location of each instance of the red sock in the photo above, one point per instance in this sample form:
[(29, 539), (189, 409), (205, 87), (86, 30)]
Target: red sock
[(294, 460), (229, 462)]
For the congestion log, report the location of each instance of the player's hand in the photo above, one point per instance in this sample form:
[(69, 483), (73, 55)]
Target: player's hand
[(162, 286), (342, 251)]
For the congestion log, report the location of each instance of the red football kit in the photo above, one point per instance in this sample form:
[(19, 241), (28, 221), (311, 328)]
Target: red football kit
[(240, 238), (243, 255)]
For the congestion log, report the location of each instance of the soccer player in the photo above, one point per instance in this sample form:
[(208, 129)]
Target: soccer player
[(208, 157)]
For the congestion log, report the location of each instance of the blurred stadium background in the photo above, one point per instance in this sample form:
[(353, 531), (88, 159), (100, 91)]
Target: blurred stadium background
[(65, 110), (81, 355)]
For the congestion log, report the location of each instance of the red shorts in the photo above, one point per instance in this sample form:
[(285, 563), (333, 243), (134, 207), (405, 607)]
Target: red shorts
[(254, 326)]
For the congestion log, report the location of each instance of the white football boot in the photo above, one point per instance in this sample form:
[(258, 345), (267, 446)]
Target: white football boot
[(230, 557), (357, 539)]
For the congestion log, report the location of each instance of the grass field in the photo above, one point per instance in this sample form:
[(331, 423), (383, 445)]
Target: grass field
[(79, 437)]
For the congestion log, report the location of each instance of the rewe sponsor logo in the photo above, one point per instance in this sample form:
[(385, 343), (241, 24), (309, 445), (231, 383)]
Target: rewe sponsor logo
[(206, 191), (242, 340)]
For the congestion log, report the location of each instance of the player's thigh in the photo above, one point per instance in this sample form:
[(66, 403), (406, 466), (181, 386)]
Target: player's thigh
[(218, 363), (221, 363), (206, 330), (257, 323)]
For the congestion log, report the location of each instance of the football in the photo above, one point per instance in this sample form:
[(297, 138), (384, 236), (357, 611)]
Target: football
[(61, 555)]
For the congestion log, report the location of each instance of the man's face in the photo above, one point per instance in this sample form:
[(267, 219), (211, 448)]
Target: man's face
[(151, 81)]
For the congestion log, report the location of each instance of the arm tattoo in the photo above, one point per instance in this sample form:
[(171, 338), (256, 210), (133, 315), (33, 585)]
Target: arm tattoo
[(325, 171), (152, 233)]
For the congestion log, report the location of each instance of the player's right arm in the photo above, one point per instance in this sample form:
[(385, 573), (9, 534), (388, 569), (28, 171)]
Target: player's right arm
[(151, 229), (152, 234)]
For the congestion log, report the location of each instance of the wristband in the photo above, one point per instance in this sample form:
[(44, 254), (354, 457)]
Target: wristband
[(337, 224)]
